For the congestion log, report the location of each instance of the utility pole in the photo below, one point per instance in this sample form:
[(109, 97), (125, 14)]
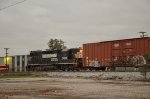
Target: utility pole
[(143, 34), (6, 55)]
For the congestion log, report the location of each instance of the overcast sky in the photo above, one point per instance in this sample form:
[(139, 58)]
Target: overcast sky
[(29, 25)]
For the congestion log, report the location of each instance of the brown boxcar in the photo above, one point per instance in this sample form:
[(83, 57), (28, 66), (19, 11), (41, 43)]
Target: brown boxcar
[(107, 53)]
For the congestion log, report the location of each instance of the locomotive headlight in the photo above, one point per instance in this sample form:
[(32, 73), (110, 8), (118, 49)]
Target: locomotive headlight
[(81, 50), (81, 53)]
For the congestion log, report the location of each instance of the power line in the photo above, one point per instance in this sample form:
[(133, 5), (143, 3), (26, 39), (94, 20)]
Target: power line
[(12, 5)]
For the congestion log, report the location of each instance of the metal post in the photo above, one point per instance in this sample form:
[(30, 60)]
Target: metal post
[(6, 55)]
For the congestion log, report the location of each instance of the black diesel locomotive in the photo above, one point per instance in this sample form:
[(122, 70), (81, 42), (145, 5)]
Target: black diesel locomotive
[(66, 60)]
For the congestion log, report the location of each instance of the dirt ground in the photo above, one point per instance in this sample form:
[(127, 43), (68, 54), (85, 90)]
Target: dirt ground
[(72, 88)]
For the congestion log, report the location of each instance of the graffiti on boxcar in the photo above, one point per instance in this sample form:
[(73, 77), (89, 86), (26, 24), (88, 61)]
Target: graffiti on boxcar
[(94, 63), (137, 60)]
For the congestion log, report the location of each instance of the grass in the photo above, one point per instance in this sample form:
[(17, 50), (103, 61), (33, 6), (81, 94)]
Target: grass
[(16, 76), (25, 75)]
